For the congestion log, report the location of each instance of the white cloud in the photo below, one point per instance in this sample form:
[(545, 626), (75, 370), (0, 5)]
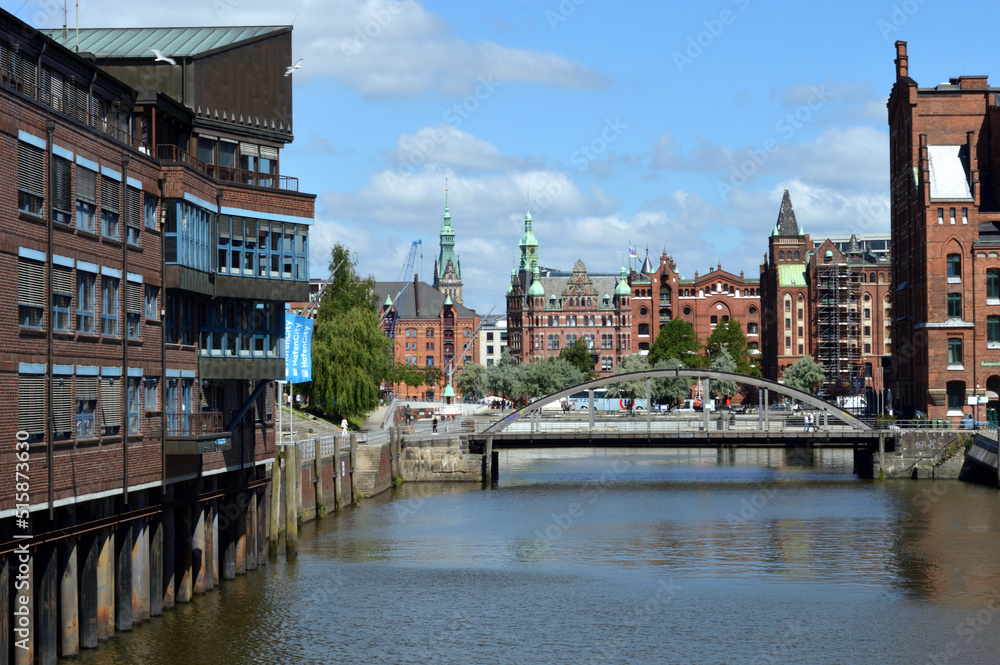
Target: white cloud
[(381, 48)]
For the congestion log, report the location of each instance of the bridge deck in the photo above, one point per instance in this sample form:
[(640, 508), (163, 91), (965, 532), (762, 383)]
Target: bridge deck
[(654, 439)]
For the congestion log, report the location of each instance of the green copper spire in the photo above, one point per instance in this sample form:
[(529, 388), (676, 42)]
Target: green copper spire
[(388, 301), (528, 244), (623, 288), (536, 288), (447, 244)]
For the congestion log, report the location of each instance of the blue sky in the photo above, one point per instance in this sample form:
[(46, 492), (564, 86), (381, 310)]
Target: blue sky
[(670, 125)]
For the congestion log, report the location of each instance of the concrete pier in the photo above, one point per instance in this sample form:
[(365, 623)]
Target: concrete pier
[(167, 519), (123, 577), (46, 604), (156, 566), (106, 585), (89, 550), (182, 528), (69, 599)]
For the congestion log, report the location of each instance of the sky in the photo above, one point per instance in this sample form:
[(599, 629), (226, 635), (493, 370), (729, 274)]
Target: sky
[(668, 126)]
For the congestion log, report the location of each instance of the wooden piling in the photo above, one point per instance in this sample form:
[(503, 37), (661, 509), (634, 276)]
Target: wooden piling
[(123, 577), (293, 475), (274, 505), (46, 604), (182, 554), (338, 490), (488, 459), (69, 599), (105, 585), (353, 463), (156, 566), (318, 475)]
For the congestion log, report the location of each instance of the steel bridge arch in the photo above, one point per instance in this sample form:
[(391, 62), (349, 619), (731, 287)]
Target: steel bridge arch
[(773, 386)]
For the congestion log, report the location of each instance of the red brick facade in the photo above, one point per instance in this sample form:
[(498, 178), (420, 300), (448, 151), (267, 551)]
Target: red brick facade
[(945, 236)]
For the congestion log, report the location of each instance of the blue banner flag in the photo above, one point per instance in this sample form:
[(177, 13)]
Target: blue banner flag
[(305, 358), (298, 348)]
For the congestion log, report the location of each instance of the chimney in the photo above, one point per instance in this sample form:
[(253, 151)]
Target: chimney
[(902, 62), (416, 297)]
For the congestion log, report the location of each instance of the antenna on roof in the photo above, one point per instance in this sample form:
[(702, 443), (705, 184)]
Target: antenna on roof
[(64, 18)]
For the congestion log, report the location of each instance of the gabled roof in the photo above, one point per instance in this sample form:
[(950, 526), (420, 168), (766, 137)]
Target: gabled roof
[(431, 300), (172, 42), (787, 226)]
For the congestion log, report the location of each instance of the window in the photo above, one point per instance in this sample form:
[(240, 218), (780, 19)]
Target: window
[(133, 309), (489, 350), (430, 361), (714, 319), (84, 302), (954, 352), (133, 405), (801, 349), (956, 396), (30, 293), (606, 364), (867, 313), (607, 341), (993, 285), (31, 404), (109, 306), (489, 337), (149, 209), (62, 297), (868, 349), (951, 215), (955, 267), (788, 305), (796, 256), (86, 199), (800, 331), (86, 404), (133, 215), (589, 340), (867, 331), (30, 179), (152, 392), (751, 328), (430, 332), (554, 342), (788, 323), (110, 207), (62, 200), (781, 256), (643, 328), (954, 305), (993, 332), (151, 297), (940, 215), (111, 404), (965, 215), (788, 342), (430, 346), (687, 311), (752, 311)]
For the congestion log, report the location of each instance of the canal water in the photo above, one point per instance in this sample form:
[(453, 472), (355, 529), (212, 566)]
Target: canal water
[(619, 556)]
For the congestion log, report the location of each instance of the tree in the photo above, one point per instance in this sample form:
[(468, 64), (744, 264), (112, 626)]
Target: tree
[(579, 356), (406, 374), (503, 378), (728, 336), (677, 339), (470, 379), (724, 363), (351, 354), (674, 388), (677, 388), (551, 376), (433, 377), (805, 375)]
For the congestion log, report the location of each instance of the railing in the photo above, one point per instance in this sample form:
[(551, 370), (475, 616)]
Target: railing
[(171, 153), (190, 424)]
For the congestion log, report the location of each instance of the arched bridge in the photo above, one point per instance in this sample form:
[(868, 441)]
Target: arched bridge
[(765, 384)]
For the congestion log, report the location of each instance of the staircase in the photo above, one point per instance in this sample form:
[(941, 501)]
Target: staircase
[(366, 471)]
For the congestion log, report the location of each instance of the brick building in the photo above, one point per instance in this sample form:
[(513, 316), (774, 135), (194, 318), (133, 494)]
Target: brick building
[(830, 302), (155, 243), (429, 330), (946, 241)]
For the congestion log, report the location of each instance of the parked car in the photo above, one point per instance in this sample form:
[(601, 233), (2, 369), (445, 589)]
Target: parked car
[(780, 406)]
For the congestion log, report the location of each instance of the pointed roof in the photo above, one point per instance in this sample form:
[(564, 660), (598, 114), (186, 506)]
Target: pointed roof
[(647, 265), (536, 288), (853, 246), (388, 301), (623, 288), (787, 226)]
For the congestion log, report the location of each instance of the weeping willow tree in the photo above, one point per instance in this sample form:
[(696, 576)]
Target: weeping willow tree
[(351, 354)]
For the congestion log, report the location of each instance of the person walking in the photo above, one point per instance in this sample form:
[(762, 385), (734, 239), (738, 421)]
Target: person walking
[(434, 425)]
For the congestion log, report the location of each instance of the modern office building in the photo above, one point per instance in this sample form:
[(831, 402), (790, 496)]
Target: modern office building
[(155, 242)]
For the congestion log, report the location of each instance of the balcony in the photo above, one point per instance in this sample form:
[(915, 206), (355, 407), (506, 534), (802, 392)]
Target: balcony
[(193, 433), (171, 153)]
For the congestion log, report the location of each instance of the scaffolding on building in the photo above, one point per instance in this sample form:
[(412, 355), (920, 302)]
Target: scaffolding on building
[(838, 320)]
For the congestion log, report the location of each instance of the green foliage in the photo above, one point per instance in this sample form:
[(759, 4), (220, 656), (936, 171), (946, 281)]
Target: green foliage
[(503, 378), (676, 388), (723, 362), (579, 356), (805, 375), (677, 339), (728, 336), (410, 375), (351, 355), (471, 378), (545, 378), (433, 376)]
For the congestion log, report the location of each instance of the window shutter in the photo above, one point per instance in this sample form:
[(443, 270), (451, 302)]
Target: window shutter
[(133, 207), (111, 402), (249, 150), (133, 298), (77, 102), (223, 226), (251, 230), (62, 281), (86, 388), (31, 403), (86, 184), (238, 228), (30, 174), (268, 152), (110, 194), (25, 67), (62, 196), (30, 283), (63, 408)]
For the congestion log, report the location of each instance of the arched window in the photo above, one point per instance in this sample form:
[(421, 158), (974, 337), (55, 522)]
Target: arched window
[(796, 255), (781, 256)]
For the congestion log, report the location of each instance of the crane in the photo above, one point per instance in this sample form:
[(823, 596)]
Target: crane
[(400, 299)]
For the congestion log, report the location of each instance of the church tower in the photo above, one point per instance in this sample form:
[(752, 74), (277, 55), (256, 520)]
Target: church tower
[(447, 268), (529, 252)]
